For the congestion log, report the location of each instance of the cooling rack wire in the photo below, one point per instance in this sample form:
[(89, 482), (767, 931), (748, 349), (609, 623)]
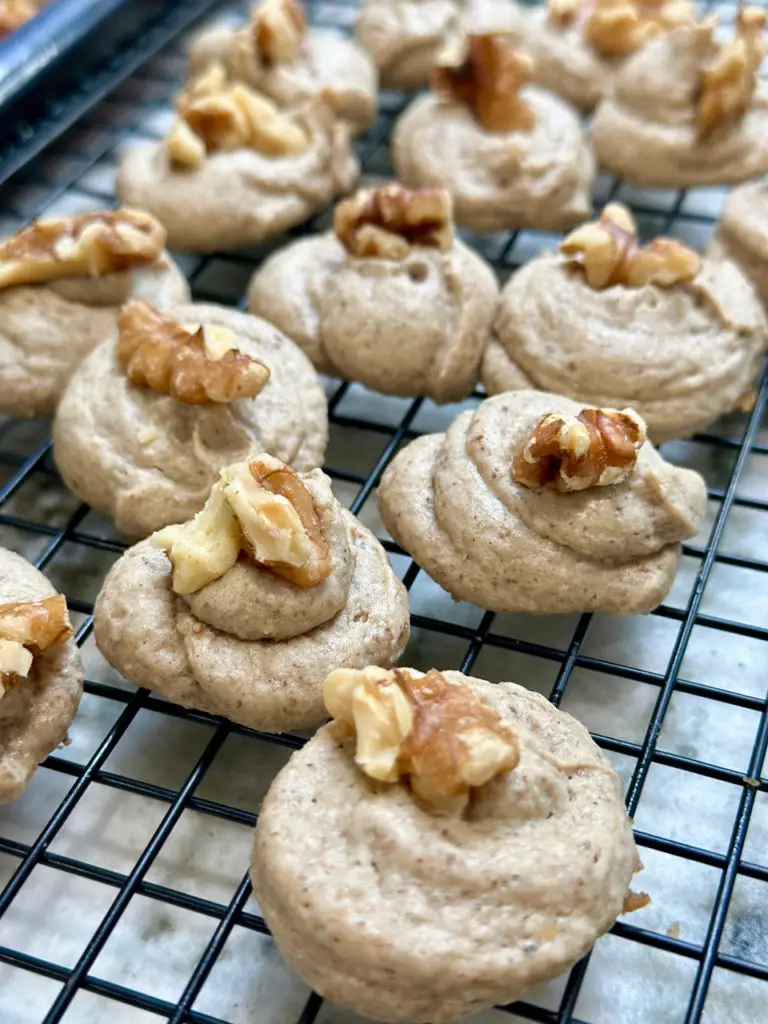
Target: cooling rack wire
[(125, 896)]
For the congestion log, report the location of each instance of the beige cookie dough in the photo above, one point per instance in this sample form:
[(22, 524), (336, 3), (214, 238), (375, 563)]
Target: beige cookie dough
[(679, 338), (455, 503), (148, 455), (62, 283), (41, 678), (443, 846), (579, 45), (390, 298), (235, 169), (512, 155), (742, 233), (276, 55), (243, 611), (687, 110)]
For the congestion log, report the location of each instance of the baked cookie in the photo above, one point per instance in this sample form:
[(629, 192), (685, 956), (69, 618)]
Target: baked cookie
[(512, 155), (578, 45), (742, 233), (407, 37), (610, 322), (279, 57), (532, 503), (244, 610), (390, 298), (152, 416), (62, 283), (442, 846), (686, 110), (235, 169), (41, 678)]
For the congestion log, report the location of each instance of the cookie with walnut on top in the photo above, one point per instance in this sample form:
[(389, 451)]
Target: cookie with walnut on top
[(151, 416), (512, 155), (687, 110), (243, 610), (62, 283), (279, 56), (235, 169), (742, 233), (609, 321), (390, 297)]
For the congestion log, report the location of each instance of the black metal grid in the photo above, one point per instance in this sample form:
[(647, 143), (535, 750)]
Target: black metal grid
[(75, 159)]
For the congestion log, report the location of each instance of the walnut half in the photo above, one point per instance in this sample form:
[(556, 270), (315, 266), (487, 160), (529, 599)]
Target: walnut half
[(615, 28), (728, 84), (29, 624), (260, 507), (571, 453), (608, 252), (92, 245), (390, 220), (279, 27), (192, 363), (487, 75), (440, 736)]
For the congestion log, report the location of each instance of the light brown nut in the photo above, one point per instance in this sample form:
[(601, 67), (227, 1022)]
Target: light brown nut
[(597, 448), (279, 27), (440, 737), (14, 14), (29, 624), (487, 76), (728, 84), (184, 147), (618, 27), (92, 245), (280, 524), (608, 253), (562, 13), (388, 221), (191, 365)]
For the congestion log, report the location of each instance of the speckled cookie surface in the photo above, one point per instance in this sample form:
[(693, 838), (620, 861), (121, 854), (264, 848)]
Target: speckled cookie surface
[(147, 460), (335, 67), (47, 329), (409, 916), (451, 501), (742, 233), (645, 132), (359, 615), (36, 713), (408, 327), (240, 197), (680, 356), (498, 180)]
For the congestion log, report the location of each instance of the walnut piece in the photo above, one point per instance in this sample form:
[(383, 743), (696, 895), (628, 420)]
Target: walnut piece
[(440, 736), (597, 448), (261, 507), (388, 221), (14, 14), (487, 75), (195, 364), (25, 624), (89, 246), (615, 28), (608, 252), (728, 84), (279, 27), (215, 115)]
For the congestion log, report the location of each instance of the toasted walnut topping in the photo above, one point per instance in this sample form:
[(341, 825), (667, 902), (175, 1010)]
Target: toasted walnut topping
[(89, 246), (25, 624), (218, 116), (261, 507), (728, 84), (279, 26), (487, 75), (438, 735), (618, 27), (390, 220), (608, 252), (570, 453), (195, 364)]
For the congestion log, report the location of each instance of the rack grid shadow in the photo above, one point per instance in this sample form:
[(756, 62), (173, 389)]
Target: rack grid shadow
[(695, 659)]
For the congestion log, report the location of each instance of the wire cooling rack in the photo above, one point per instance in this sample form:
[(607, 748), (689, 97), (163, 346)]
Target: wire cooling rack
[(126, 898)]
